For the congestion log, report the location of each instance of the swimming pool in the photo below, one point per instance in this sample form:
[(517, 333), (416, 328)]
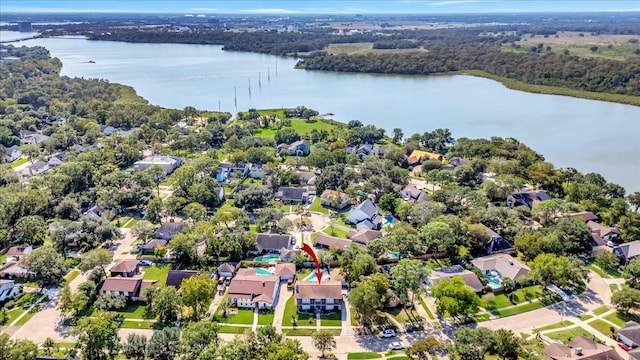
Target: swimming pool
[(313, 277), (394, 256), (388, 220), (263, 271), (494, 278), (268, 258)]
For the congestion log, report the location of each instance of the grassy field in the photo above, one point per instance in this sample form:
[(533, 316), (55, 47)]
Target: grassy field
[(363, 48), (498, 301), (334, 319), (128, 95), (157, 272), (557, 325), (133, 311), (316, 206), (364, 355), (567, 335), (335, 231), (13, 315), (298, 332), (619, 318), (604, 272), (401, 315), (243, 316), (18, 162), (23, 320), (233, 329), (614, 288), (129, 324), (72, 275), (291, 311), (426, 308), (265, 319), (527, 307), (585, 317), (601, 310), (601, 326)]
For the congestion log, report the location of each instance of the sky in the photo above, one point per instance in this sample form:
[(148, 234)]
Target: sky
[(318, 7)]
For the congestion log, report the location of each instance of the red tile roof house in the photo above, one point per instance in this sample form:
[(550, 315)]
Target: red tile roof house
[(313, 297), (126, 268), (131, 288), (250, 291)]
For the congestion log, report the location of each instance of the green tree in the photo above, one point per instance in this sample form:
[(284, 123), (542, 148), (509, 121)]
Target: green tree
[(551, 267), (631, 273), (369, 297), (30, 229), (49, 345), (195, 211), (47, 265), (507, 344), (626, 300), (197, 337), (607, 260), (472, 344), (197, 293), (167, 304), (438, 237), (409, 276), (143, 230), (97, 258), (157, 173), (324, 341), (356, 263), (634, 200), (23, 350), (135, 347), (454, 298), (164, 344), (155, 209), (111, 301), (422, 348), (97, 336), (254, 197)]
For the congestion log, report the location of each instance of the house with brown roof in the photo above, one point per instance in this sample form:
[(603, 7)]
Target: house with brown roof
[(602, 235), (169, 230), (579, 348), (126, 268), (285, 271), (247, 290), (19, 252), (325, 241), (363, 236), (226, 270), (413, 194), (335, 199), (314, 297), (630, 334), (132, 287), (176, 277), (584, 215), (469, 277)]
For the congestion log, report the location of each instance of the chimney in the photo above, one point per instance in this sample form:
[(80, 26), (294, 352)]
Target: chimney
[(171, 220), (579, 351), (263, 283)]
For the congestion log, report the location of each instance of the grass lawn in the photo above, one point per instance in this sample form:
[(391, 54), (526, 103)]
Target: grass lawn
[(27, 317), (303, 273), (567, 335), (619, 318), (495, 301), (157, 272), (72, 275), (401, 315), (129, 324), (291, 310), (527, 307), (28, 299), (601, 310), (316, 206), (527, 293), (167, 182), (298, 332), (354, 318), (133, 311), (614, 288), (304, 127), (18, 162), (585, 317), (481, 317), (557, 325), (265, 319), (243, 316), (131, 223), (426, 308), (364, 355), (335, 231), (607, 270), (401, 357), (233, 329), (13, 315), (601, 326), (334, 319)]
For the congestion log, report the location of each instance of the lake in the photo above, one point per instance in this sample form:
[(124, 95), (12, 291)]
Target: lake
[(592, 136)]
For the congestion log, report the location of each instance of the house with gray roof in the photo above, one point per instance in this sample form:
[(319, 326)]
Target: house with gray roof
[(413, 194), (505, 265), (365, 215), (326, 241), (169, 163), (469, 277), (292, 195), (527, 198), (168, 231), (297, 148), (627, 251), (13, 153), (494, 242), (581, 347), (274, 243), (630, 334)]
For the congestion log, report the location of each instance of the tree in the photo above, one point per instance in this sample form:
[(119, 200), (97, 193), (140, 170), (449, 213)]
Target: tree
[(197, 293), (167, 304), (97, 336), (155, 209), (183, 248), (454, 298), (508, 284), (143, 230), (634, 200), (49, 345), (164, 344), (195, 211), (197, 337), (369, 297), (47, 265), (507, 344), (473, 344), (409, 275), (388, 202), (397, 135), (438, 237), (324, 341), (157, 173), (547, 210), (551, 267), (356, 263), (97, 258), (160, 251), (23, 350), (252, 198), (631, 273), (422, 348), (135, 347), (30, 229), (607, 260), (111, 301), (626, 299)]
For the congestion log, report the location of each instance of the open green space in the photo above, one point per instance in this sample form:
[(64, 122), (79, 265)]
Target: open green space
[(601, 309), (558, 325), (481, 317), (18, 162), (28, 299), (131, 223), (316, 206), (23, 320), (72, 275), (426, 308), (265, 319), (130, 324), (299, 332), (133, 311), (567, 335), (335, 231), (401, 357), (157, 272), (291, 312), (493, 301), (620, 318), (364, 355), (233, 329), (241, 316), (401, 315), (585, 317), (334, 319), (527, 307), (602, 326), (614, 288), (305, 127), (13, 315)]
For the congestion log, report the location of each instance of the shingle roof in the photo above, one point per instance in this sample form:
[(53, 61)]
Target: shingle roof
[(630, 249), (226, 267), (175, 277), (272, 241), (117, 283), (313, 290), (631, 330), (505, 264), (244, 287), (291, 193), (125, 266), (284, 269), (368, 207), (584, 215), (590, 350), (327, 241), (363, 236), (470, 278), (151, 245)]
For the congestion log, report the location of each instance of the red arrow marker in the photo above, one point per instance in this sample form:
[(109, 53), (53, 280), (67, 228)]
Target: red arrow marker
[(306, 248)]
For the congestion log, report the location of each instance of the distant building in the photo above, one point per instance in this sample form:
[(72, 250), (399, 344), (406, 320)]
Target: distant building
[(579, 348), (25, 26), (167, 162)]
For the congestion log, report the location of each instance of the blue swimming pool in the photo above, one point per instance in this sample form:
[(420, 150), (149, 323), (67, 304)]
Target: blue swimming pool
[(388, 220), (494, 278), (313, 277), (263, 271), (268, 258), (394, 256)]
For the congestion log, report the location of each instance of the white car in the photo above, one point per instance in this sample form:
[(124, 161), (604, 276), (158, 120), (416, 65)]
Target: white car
[(396, 345), (387, 333)]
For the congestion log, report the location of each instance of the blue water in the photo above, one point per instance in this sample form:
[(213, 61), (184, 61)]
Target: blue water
[(313, 277), (394, 256), (267, 258), (261, 271), (493, 282), (388, 220)]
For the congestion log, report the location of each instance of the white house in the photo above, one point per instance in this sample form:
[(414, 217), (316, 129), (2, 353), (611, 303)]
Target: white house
[(9, 289), (167, 162), (311, 296), (13, 153), (56, 160), (365, 215)]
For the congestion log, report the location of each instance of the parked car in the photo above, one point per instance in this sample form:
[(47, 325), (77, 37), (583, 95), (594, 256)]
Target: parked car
[(387, 333), (396, 345), (146, 262), (624, 346)]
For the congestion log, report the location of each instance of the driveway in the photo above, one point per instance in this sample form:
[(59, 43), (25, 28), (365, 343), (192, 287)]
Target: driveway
[(278, 313), (46, 323)]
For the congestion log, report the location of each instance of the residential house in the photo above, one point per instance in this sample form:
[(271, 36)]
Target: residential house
[(287, 255), (37, 168), (169, 230), (256, 171), (630, 334), (365, 215), (131, 287), (14, 269), (126, 268), (413, 194), (499, 266), (627, 251), (107, 129), (285, 271), (9, 289), (176, 277), (602, 235), (227, 170), (584, 215), (167, 162), (226, 270), (219, 192), (581, 347), (363, 236), (273, 243), (364, 151), (457, 161), (326, 241), (334, 199), (297, 148), (26, 134), (417, 156), (313, 297), (469, 277), (306, 177), (253, 291), (292, 195), (13, 153), (33, 138), (527, 198), (95, 213), (494, 242), (150, 247), (19, 252), (56, 159)]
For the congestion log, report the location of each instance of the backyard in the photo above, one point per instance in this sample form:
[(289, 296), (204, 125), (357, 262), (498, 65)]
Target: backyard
[(157, 272)]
